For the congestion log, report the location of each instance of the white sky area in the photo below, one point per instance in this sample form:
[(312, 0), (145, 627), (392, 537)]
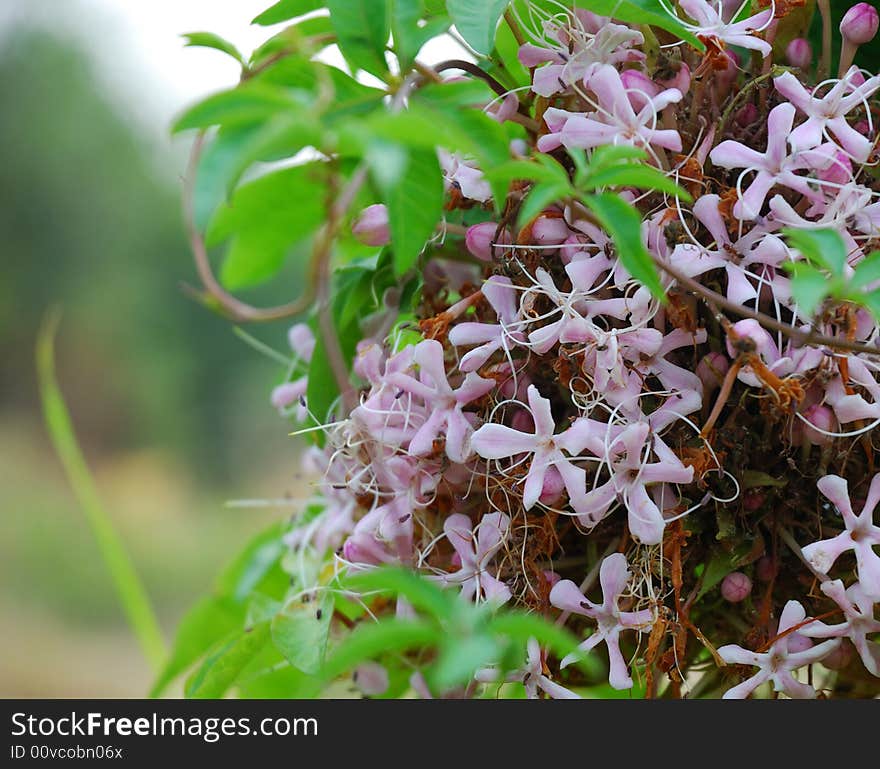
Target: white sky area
[(139, 54)]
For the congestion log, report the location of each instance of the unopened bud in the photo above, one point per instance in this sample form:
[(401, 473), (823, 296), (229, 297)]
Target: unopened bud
[(711, 370), (839, 657), (839, 171), (747, 115), (480, 237), (736, 587), (859, 24), (799, 53), (820, 420), (550, 230), (371, 228), (765, 568)]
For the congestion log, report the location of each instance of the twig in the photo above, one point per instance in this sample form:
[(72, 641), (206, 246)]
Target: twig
[(231, 306), (514, 27), (799, 337), (472, 69)]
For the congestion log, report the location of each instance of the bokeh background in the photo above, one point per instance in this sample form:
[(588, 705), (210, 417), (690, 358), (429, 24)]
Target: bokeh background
[(170, 407)]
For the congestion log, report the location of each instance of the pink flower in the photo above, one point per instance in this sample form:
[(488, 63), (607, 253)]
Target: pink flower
[(827, 113), (444, 405), (615, 122), (858, 611), (580, 49), (494, 441), (476, 547), (777, 664), (490, 337), (860, 535), (757, 248), (461, 174), (611, 621), (774, 166), (626, 457), (709, 23)]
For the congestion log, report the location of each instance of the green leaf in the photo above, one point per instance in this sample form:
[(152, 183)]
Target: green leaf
[(520, 627), (236, 148), (203, 626), (540, 196), (409, 37), (412, 188), (508, 49), (264, 219), (477, 20), (221, 669), (421, 593), (624, 223), (872, 303), (461, 658), (256, 567), (611, 154), (809, 286), (210, 40), (551, 173), (866, 272), (130, 590), (250, 103), (633, 175), (301, 632), (368, 641), (362, 29), (824, 248), (644, 12), (286, 9)]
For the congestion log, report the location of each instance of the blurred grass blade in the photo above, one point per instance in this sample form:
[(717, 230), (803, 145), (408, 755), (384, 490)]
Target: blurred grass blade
[(129, 588)]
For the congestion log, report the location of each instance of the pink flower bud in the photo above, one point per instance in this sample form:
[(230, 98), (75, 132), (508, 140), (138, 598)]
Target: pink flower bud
[(736, 586), (640, 88), (302, 341), (550, 231), (798, 643), (680, 80), (371, 678), (727, 75), (839, 171), (859, 24), (765, 568), (752, 500), (285, 395), (553, 486), (711, 370), (522, 421), (747, 115), (840, 657), (371, 228), (480, 237), (552, 577), (822, 417), (799, 53)]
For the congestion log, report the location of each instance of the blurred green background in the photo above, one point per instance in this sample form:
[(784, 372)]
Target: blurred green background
[(171, 408)]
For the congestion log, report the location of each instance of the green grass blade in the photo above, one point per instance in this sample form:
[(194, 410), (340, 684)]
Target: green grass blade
[(131, 592)]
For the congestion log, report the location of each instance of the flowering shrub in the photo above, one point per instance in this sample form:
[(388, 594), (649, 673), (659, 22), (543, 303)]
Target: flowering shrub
[(587, 350)]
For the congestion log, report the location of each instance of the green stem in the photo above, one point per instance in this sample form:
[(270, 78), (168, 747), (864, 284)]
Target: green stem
[(129, 588)]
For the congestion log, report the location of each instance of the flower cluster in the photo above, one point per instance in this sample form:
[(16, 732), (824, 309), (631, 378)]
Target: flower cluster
[(555, 409)]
